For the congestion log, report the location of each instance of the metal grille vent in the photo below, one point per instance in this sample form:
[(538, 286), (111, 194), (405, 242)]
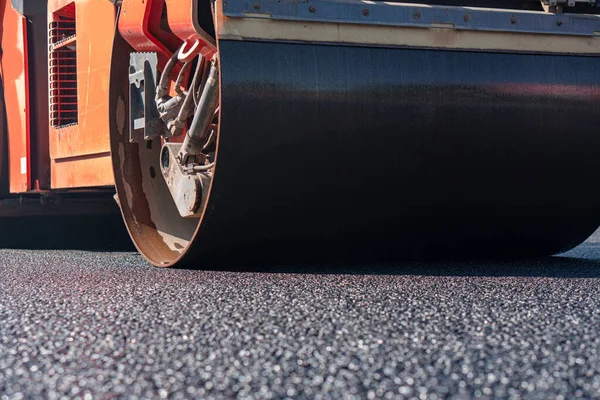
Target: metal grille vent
[(63, 67)]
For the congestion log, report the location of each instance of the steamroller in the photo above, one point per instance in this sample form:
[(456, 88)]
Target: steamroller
[(275, 131)]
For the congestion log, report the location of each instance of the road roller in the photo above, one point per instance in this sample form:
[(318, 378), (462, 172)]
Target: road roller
[(275, 131)]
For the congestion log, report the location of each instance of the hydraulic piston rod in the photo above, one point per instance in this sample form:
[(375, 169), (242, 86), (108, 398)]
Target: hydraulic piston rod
[(197, 135)]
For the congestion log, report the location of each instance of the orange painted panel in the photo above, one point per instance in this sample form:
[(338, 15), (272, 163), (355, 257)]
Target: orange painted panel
[(3, 173), (15, 78), (3, 177), (183, 21), (88, 139), (136, 21), (86, 171)]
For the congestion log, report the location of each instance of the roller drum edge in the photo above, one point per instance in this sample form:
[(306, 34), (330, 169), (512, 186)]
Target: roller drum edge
[(336, 153)]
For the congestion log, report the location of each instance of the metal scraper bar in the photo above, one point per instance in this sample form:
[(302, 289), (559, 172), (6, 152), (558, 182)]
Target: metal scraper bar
[(417, 15), (570, 3)]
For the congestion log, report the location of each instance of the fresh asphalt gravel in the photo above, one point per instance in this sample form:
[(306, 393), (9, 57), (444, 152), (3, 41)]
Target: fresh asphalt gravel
[(79, 324)]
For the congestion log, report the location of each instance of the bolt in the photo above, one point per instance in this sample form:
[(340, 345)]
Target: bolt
[(312, 9), (417, 14), (467, 17), (366, 12), (559, 22), (257, 6), (513, 20)]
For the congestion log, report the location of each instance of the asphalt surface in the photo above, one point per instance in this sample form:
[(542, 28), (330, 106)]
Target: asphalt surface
[(87, 325)]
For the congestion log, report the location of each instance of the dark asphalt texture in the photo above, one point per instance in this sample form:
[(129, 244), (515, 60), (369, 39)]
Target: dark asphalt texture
[(79, 324)]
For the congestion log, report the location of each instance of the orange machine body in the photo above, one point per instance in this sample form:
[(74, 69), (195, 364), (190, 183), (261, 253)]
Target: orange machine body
[(72, 151)]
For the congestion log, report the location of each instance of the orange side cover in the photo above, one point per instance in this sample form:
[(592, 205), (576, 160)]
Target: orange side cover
[(16, 94), (80, 151), (3, 177)]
